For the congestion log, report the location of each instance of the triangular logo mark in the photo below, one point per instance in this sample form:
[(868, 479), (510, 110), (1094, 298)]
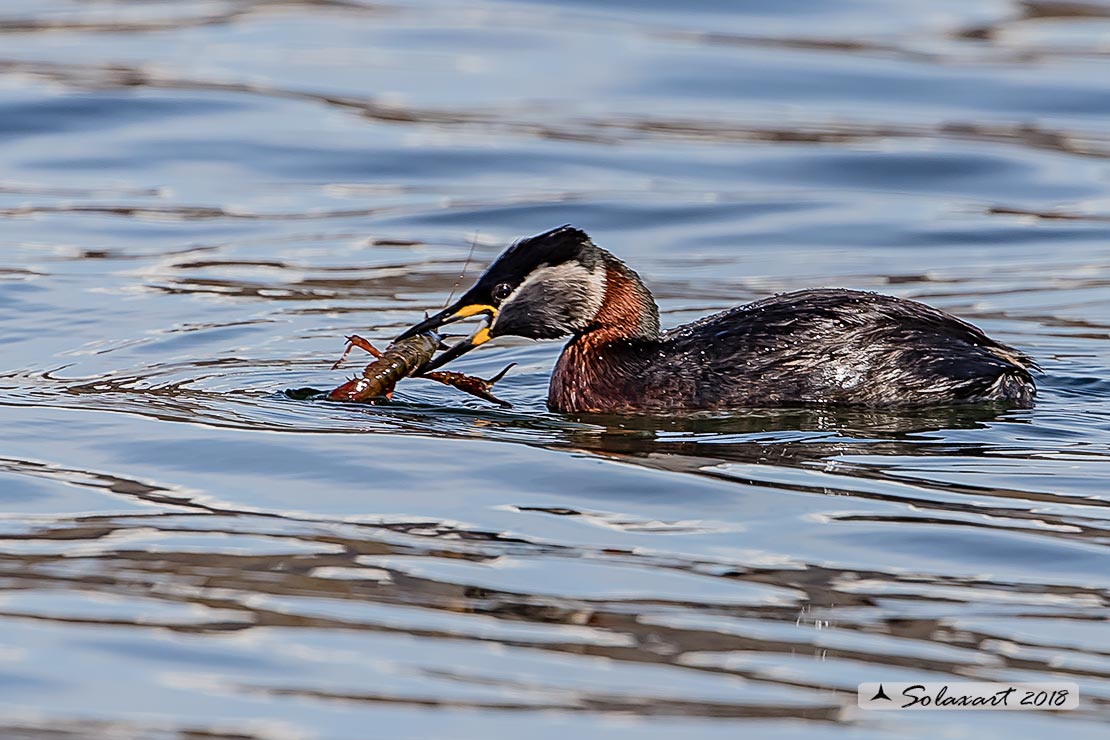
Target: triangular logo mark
[(880, 694)]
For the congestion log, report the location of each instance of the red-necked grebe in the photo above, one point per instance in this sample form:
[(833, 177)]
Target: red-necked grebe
[(824, 346)]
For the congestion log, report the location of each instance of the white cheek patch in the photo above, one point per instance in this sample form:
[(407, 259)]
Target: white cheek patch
[(570, 281)]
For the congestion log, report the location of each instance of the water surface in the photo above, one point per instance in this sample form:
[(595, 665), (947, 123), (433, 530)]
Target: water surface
[(199, 199)]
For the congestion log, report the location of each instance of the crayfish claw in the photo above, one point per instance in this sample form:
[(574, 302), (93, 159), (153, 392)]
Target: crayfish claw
[(495, 378), (335, 365), (470, 384), (494, 399)]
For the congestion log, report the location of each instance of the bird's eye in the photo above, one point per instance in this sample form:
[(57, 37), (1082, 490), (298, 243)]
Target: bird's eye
[(501, 291)]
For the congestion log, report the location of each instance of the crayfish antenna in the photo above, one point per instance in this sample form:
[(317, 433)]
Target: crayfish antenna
[(443, 340), (356, 341)]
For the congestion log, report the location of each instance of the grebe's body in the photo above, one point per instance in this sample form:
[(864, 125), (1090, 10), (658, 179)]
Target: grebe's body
[(826, 346), (814, 346)]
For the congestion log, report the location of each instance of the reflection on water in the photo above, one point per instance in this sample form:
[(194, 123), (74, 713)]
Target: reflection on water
[(201, 199)]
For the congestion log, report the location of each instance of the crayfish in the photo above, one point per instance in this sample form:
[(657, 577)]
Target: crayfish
[(406, 358)]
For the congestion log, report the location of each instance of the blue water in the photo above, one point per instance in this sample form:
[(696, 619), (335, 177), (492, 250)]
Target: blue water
[(200, 199)]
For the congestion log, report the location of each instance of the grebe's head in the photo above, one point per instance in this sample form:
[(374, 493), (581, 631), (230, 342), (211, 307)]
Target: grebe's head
[(542, 287)]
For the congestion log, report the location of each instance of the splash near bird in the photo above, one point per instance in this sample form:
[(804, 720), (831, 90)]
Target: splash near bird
[(822, 346)]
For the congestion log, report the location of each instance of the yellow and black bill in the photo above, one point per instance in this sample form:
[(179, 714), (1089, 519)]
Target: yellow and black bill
[(449, 315)]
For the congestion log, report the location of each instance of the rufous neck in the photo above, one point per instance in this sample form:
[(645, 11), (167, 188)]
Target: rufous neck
[(628, 310)]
